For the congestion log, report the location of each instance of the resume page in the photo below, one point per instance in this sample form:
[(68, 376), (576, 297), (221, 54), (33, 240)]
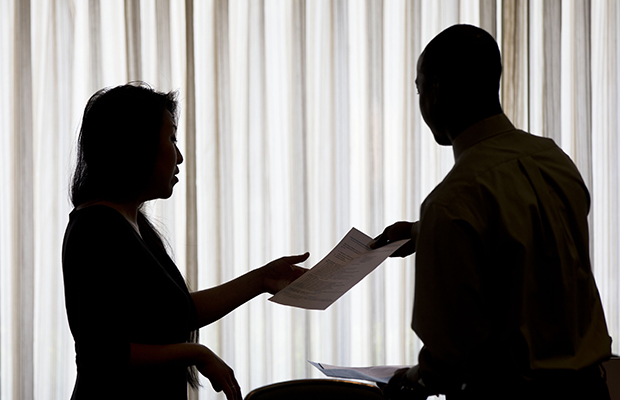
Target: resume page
[(347, 264)]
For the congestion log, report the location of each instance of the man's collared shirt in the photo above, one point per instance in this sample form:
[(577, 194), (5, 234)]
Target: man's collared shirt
[(503, 275)]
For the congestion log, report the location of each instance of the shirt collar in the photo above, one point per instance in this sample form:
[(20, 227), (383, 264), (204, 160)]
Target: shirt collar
[(480, 131)]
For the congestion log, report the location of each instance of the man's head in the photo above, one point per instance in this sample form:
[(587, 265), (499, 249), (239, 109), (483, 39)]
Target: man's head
[(458, 80)]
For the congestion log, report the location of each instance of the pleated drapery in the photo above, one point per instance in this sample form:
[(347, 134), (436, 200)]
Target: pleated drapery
[(299, 119)]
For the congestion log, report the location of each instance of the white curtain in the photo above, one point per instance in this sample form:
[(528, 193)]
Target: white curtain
[(299, 120)]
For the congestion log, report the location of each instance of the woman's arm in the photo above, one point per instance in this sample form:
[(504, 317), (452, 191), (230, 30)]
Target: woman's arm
[(208, 363), (212, 304), (178, 354)]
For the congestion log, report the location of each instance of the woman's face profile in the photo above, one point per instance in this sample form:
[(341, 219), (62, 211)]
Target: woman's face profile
[(166, 167)]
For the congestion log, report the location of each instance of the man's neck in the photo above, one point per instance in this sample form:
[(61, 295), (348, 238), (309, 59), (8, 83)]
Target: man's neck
[(467, 117)]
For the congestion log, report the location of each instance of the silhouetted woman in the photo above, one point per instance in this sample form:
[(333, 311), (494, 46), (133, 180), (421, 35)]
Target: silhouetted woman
[(130, 312)]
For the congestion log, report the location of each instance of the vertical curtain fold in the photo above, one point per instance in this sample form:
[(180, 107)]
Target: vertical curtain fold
[(134, 48), (239, 57), (22, 206), (94, 24), (6, 221), (394, 154), (488, 16), (375, 166), (163, 35), (515, 58), (223, 160), (582, 108), (358, 185), (258, 228), (341, 139), (552, 20), (191, 218), (298, 175)]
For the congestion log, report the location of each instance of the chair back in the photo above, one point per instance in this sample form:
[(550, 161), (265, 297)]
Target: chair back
[(612, 368), (316, 389)]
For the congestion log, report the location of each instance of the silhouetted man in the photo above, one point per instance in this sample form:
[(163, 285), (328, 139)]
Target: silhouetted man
[(505, 300)]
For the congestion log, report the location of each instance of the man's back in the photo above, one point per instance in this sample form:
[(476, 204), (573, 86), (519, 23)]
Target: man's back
[(503, 261)]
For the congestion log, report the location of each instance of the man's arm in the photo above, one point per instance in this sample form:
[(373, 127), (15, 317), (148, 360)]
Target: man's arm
[(406, 384), (450, 312)]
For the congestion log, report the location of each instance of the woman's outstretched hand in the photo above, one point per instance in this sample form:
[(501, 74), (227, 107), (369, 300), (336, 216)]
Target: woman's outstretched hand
[(279, 273), (221, 376), (212, 304)]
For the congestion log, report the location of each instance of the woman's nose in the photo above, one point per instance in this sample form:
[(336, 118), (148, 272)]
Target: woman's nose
[(179, 156)]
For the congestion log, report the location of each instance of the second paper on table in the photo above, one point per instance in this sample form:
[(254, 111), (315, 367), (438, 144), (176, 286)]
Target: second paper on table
[(347, 264)]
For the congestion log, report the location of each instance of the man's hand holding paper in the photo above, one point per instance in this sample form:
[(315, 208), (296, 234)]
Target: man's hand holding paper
[(395, 232)]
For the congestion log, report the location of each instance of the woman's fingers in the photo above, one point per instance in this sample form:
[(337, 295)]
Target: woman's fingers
[(227, 384), (296, 259), (221, 376), (232, 391), (281, 272)]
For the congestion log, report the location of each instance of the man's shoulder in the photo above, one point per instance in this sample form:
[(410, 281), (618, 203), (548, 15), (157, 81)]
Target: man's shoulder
[(500, 151), (459, 190), (514, 143), (491, 174)]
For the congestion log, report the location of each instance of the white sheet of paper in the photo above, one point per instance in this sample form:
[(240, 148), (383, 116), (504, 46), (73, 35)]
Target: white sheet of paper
[(378, 374), (347, 264)]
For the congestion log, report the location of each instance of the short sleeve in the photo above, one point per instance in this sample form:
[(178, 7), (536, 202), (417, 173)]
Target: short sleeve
[(95, 255)]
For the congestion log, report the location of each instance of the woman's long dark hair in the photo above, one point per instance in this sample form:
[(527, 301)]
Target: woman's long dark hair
[(117, 152), (118, 142)]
